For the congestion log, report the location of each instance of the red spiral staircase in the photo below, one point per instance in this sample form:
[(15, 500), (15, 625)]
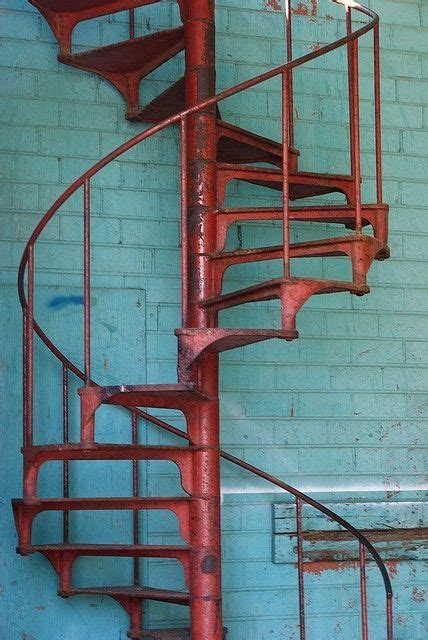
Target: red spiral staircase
[(213, 153)]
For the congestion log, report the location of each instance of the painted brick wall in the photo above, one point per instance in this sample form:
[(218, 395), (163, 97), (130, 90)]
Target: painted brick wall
[(338, 413)]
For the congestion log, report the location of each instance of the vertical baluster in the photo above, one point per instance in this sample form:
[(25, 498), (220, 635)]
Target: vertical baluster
[(135, 493), (354, 116), (66, 439), (87, 278), (356, 146), (363, 591), (289, 37), (300, 569), (29, 352), (286, 173), (378, 119), (389, 619), (350, 86), (184, 206), (132, 24)]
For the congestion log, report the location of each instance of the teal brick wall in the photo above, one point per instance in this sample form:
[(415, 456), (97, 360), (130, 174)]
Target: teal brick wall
[(338, 413)]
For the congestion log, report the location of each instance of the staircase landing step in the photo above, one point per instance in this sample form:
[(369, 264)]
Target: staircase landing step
[(134, 592), (94, 504)]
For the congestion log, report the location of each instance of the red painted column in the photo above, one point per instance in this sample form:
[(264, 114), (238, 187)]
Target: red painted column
[(203, 425)]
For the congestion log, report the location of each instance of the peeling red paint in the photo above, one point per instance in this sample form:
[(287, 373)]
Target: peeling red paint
[(392, 567), (316, 568), (309, 8), (418, 595), (273, 4)]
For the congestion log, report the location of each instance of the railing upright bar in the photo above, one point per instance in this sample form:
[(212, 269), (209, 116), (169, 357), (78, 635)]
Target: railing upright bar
[(87, 278), (356, 144), (66, 439), (135, 493), (378, 116), (132, 24), (389, 617), (289, 38), (286, 174), (184, 234), (300, 569), (351, 97), (29, 352), (363, 592)]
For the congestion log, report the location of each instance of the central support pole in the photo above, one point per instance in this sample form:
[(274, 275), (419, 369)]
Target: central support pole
[(203, 424)]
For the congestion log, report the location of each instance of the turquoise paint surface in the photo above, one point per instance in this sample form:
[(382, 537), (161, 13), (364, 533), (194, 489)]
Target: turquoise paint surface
[(338, 413)]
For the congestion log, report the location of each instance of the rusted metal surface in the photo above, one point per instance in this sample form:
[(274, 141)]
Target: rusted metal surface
[(212, 153)]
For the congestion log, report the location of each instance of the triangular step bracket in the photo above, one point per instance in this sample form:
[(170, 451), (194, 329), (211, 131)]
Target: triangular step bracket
[(193, 342), (126, 63), (63, 15)]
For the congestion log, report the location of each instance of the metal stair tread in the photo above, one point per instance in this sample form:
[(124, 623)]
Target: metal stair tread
[(326, 244), (235, 142), (130, 550), (138, 55), (226, 339), (277, 173), (339, 208), (328, 286), (78, 6), (104, 451), (147, 395), (166, 634), (138, 592), (77, 504)]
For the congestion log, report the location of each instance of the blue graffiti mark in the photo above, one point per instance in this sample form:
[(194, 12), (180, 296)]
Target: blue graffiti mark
[(59, 302)]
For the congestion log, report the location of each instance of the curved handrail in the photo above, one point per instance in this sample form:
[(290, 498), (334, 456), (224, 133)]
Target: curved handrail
[(181, 117)]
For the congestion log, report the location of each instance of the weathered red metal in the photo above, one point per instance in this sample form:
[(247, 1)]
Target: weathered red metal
[(212, 154)]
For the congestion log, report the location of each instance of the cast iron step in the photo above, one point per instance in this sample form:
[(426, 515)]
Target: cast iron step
[(25, 510), (96, 504), (277, 288), (178, 552), (292, 292), (193, 342), (164, 106), (134, 592), (126, 63), (36, 456), (375, 215), (303, 184), (63, 15), (165, 634), (237, 145), (314, 248), (172, 396)]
